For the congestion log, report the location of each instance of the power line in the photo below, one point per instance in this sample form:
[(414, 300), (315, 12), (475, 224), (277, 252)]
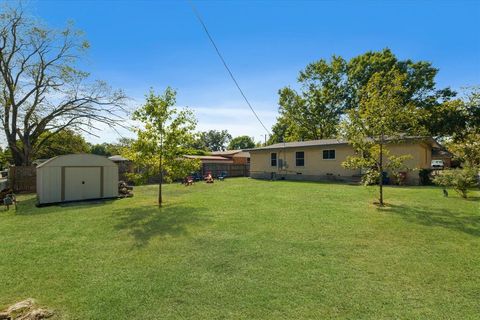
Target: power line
[(197, 14)]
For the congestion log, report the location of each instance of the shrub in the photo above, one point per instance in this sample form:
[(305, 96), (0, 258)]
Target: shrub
[(458, 179), (400, 177), (370, 177), (425, 178)]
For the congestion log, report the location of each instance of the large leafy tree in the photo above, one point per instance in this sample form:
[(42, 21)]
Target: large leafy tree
[(241, 142), (212, 140), (330, 89), (101, 149), (42, 92), (64, 142), (465, 144), (382, 117), (314, 112), (165, 136), (111, 149), (420, 89)]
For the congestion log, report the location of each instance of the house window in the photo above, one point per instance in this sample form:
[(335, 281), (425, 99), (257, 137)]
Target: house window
[(300, 159), (328, 154), (273, 159), (248, 160)]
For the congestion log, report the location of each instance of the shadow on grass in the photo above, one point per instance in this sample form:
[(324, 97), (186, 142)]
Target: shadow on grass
[(147, 222), (28, 206), (467, 223), (472, 199)]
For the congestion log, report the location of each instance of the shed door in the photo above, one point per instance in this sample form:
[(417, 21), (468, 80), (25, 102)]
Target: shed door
[(82, 183)]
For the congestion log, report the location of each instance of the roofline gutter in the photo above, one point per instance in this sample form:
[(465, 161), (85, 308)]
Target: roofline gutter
[(405, 139)]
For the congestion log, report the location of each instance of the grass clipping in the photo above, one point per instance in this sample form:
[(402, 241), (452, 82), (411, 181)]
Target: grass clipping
[(25, 310)]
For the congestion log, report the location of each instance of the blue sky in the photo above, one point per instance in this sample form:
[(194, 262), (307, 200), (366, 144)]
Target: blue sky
[(136, 45)]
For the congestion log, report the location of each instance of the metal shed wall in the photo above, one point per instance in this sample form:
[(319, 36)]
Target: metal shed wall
[(53, 178)]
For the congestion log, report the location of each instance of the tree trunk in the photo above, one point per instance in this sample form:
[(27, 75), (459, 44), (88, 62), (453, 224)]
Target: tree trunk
[(21, 156), (27, 153), (160, 185), (380, 167), (160, 200), (17, 155)]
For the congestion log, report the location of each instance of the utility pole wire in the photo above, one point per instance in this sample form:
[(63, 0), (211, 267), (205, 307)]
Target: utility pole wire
[(197, 14)]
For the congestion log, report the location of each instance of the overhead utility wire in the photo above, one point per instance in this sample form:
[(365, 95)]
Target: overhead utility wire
[(197, 14)]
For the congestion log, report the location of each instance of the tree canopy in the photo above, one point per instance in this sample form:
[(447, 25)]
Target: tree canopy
[(42, 92), (212, 140), (241, 142), (64, 142), (465, 144), (110, 149), (329, 89), (315, 112), (166, 135), (382, 117)]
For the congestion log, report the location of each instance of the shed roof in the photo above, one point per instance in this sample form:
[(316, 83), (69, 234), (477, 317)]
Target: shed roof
[(79, 159)]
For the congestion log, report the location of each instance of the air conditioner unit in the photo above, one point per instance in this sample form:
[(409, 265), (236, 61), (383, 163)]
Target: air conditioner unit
[(282, 164)]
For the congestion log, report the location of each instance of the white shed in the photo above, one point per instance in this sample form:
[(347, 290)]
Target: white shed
[(75, 177)]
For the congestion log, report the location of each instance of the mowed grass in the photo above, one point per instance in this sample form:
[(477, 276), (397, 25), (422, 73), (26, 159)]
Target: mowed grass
[(248, 249)]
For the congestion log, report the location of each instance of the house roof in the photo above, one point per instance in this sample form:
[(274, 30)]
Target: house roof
[(207, 158), (231, 153), (297, 144), (243, 154), (437, 152), (225, 153), (326, 142), (118, 158)]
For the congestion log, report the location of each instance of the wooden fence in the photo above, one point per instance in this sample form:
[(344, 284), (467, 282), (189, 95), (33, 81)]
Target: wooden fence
[(217, 169), (232, 170), (23, 178)]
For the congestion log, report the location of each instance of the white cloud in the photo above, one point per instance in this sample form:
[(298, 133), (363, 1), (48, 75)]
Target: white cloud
[(233, 112), (238, 121)]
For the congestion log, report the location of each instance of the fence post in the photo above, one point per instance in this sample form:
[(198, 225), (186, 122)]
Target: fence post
[(11, 178)]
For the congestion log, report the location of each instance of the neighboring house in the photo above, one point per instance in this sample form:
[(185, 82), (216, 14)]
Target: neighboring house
[(232, 163), (322, 159), (238, 156), (210, 159), (444, 155), (118, 159)]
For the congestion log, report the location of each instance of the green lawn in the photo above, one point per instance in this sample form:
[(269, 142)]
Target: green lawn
[(247, 249)]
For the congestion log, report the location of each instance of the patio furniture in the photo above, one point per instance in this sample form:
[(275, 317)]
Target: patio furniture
[(8, 198), (222, 175)]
